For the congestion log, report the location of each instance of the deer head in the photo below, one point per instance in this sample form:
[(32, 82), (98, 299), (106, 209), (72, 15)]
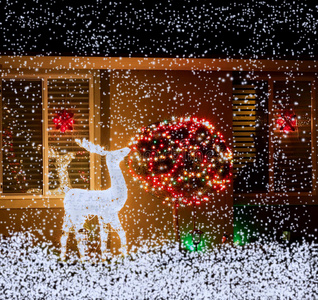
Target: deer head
[(116, 155), (90, 147)]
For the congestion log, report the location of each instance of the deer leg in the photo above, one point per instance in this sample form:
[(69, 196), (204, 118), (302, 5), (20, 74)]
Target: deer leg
[(65, 232), (103, 240), (81, 239), (115, 223)]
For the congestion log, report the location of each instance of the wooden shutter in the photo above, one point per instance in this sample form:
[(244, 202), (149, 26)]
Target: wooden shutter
[(22, 136), (250, 137), (244, 126), (72, 96)]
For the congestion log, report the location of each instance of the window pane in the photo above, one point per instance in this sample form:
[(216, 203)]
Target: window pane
[(292, 139), (68, 118), (22, 136), (250, 137)]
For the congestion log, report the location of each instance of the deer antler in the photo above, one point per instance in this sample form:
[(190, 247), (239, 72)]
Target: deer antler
[(90, 147), (51, 152)]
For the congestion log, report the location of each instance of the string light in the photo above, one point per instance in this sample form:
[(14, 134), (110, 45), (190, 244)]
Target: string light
[(184, 158), (64, 120), (80, 204), (61, 163), (287, 122)]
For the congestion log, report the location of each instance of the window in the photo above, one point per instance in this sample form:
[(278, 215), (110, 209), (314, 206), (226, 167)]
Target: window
[(292, 149), (68, 163), (272, 137), (40, 121)]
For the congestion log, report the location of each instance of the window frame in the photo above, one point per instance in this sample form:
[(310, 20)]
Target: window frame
[(16, 69), (278, 198), (24, 200)]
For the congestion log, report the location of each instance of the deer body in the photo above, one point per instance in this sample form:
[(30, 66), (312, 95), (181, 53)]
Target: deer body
[(80, 204)]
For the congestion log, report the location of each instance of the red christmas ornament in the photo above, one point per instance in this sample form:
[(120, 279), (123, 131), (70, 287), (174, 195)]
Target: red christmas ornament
[(287, 122), (184, 160), (64, 120), (224, 238)]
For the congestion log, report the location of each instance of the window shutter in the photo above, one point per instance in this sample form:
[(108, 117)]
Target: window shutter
[(250, 137), (68, 163), (22, 136), (244, 126)]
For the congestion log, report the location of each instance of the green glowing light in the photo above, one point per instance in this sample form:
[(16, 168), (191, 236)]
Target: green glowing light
[(187, 243)]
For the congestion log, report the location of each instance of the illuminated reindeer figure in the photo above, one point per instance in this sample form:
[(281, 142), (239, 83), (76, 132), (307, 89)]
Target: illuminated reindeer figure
[(61, 164), (81, 204)]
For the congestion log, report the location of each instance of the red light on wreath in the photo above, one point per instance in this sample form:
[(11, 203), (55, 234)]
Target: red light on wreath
[(287, 122), (185, 160), (64, 120)]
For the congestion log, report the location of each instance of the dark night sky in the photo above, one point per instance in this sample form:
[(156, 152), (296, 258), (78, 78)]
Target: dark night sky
[(254, 29)]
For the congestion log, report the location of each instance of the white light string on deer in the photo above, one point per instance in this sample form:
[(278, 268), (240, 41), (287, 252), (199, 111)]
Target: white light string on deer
[(81, 204), (61, 163)]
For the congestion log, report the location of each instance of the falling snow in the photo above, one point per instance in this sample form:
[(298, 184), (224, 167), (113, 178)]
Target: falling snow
[(169, 28), (269, 248)]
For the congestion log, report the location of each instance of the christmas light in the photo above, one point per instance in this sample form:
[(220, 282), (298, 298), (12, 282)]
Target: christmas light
[(61, 163), (181, 158), (81, 204), (287, 122), (64, 120)]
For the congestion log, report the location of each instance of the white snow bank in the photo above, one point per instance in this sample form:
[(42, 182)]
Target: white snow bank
[(256, 271)]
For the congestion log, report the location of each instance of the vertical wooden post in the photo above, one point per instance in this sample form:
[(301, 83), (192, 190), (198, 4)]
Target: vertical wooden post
[(176, 221), (1, 158), (271, 141), (314, 135), (97, 128), (45, 135), (194, 216), (194, 220)]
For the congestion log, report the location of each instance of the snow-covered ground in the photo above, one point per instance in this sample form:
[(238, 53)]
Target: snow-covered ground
[(269, 271)]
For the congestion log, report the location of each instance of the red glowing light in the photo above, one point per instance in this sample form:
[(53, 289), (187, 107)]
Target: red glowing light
[(173, 170), (64, 120), (287, 122)]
